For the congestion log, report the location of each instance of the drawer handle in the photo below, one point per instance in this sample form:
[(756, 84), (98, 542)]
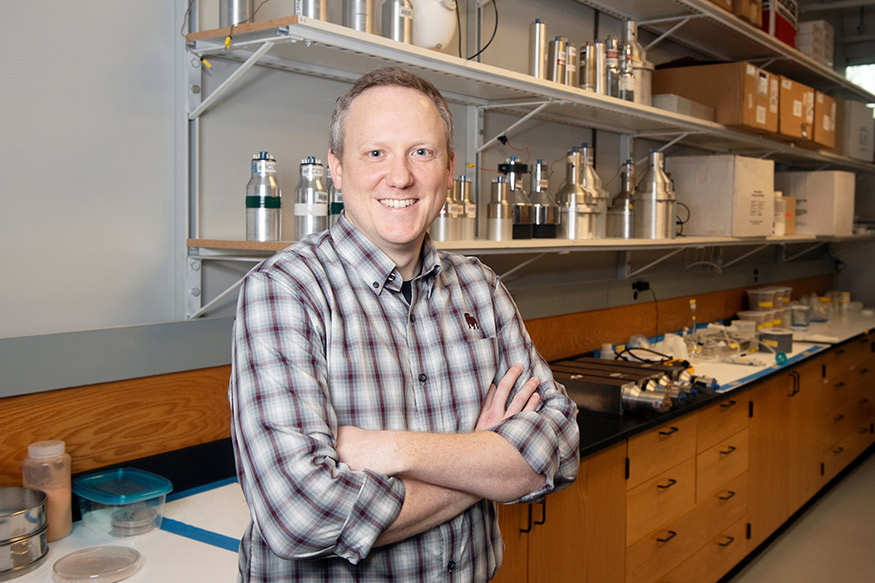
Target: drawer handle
[(731, 449), (838, 450), (839, 384), (671, 482), (729, 495), (727, 404), (528, 527), (671, 535), (729, 541), (838, 417), (864, 400), (669, 432), (840, 350), (863, 430), (864, 370)]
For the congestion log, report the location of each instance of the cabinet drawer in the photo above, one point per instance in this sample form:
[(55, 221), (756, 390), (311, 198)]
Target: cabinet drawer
[(721, 463), (838, 424), (718, 422), (657, 450), (715, 559), (663, 549), (660, 500), (845, 451), (724, 506), (837, 390)]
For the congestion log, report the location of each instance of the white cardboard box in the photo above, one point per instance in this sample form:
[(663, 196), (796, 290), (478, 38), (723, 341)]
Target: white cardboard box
[(856, 130), (824, 200), (728, 195), (678, 104)]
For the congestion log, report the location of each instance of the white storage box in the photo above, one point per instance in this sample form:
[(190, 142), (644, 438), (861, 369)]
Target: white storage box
[(855, 130), (728, 195), (824, 200), (682, 105)]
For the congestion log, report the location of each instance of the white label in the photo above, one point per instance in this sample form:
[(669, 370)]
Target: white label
[(797, 108), (470, 210), (299, 6), (264, 166), (761, 115), (763, 83), (774, 96), (313, 210), (311, 171), (751, 70), (405, 12), (786, 84), (455, 210), (826, 124)]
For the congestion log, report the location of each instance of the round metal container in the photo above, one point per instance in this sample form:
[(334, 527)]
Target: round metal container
[(23, 529)]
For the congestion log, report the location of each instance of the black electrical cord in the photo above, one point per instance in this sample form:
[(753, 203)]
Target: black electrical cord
[(458, 28), (494, 30), (665, 357), (681, 223), (656, 307)]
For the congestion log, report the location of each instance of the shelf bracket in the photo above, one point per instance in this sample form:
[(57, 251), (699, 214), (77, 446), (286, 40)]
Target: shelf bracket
[(194, 281), (232, 79), (524, 119), (804, 251), (504, 275), (626, 263), (745, 256), (670, 31)]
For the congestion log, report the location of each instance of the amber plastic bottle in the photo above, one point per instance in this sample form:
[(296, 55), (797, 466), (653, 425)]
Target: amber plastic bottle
[(47, 468)]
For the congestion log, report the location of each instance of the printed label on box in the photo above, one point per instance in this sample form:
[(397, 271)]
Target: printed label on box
[(751, 70), (786, 84), (775, 96), (761, 115), (763, 83), (797, 108)]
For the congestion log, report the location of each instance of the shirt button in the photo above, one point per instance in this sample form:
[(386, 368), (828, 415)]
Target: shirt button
[(391, 277), (451, 565), (422, 378), (376, 285), (412, 318)]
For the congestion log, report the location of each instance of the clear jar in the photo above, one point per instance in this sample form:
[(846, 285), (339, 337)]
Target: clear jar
[(47, 468)]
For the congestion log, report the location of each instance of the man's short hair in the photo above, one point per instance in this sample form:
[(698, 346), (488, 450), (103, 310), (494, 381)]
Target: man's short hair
[(386, 76)]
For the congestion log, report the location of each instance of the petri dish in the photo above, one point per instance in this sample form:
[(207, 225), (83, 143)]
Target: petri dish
[(97, 564)]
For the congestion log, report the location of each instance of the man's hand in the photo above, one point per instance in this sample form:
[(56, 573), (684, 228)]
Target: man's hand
[(493, 410)]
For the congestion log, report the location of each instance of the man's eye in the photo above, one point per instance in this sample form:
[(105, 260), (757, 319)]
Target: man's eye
[(374, 154), (423, 152)]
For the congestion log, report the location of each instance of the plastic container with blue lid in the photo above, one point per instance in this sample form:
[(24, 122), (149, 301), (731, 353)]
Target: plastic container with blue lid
[(122, 502)]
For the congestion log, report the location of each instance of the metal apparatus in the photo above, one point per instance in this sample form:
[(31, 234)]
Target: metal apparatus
[(538, 49), (233, 12), (335, 199), (468, 220), (499, 212), (545, 211), (359, 15), (578, 206), (642, 68), (601, 67), (311, 9), (263, 200), (626, 82), (572, 65), (518, 198), (397, 20), (447, 225), (655, 203), (610, 394), (591, 180), (621, 212), (557, 62), (588, 69), (311, 200), (612, 66)]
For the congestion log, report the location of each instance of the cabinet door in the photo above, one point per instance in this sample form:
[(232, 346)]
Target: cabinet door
[(513, 519), (812, 423)]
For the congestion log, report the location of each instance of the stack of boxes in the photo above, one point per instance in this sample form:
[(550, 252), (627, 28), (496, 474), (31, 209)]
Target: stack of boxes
[(781, 19), (816, 39)]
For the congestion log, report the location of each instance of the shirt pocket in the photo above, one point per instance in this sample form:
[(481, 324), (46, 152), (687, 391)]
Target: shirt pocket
[(471, 366)]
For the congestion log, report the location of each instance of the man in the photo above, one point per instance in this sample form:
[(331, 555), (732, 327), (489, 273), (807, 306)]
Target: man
[(383, 393)]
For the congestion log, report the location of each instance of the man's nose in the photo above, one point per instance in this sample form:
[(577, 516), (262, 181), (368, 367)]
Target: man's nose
[(399, 174)]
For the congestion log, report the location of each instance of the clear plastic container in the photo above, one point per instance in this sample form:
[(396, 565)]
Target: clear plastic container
[(47, 468), (762, 318), (800, 315), (761, 299), (122, 502)]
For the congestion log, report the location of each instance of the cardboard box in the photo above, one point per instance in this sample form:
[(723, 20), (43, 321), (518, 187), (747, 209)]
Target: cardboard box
[(682, 105), (781, 20), (741, 94), (824, 201), (797, 110), (855, 130), (824, 120), (727, 4), (790, 219), (749, 10), (727, 195)]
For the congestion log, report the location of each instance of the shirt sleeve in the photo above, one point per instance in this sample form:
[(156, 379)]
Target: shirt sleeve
[(549, 438), (303, 501)]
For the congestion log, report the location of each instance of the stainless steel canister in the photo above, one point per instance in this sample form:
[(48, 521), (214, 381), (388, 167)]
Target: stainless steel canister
[(468, 221), (335, 199), (311, 9), (643, 68), (626, 89), (397, 20), (572, 65), (499, 212), (612, 66), (518, 197), (557, 59), (538, 49), (447, 226), (311, 199), (578, 211), (263, 200), (655, 203), (588, 71), (359, 15), (233, 12), (621, 211), (591, 181), (545, 211), (601, 67)]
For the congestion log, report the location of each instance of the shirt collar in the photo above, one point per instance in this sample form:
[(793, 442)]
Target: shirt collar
[(373, 266)]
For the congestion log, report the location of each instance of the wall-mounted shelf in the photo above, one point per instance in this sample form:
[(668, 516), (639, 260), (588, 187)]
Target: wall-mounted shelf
[(718, 33)]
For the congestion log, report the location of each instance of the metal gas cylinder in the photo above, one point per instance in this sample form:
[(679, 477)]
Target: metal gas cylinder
[(263, 200)]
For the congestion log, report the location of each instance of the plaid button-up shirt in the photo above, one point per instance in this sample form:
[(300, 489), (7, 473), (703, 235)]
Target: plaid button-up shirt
[(323, 338)]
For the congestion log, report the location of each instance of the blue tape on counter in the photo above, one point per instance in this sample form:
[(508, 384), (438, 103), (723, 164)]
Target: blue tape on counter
[(199, 534), (199, 489), (770, 369)]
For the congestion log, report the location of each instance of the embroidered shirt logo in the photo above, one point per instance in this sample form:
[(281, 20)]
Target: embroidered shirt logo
[(471, 321)]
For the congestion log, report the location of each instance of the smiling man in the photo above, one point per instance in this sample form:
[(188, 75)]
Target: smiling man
[(384, 394)]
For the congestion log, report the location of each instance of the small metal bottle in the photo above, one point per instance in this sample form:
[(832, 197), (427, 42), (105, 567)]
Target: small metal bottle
[(643, 69), (311, 199), (359, 15), (468, 220), (572, 65), (601, 68), (621, 212), (626, 85), (655, 202), (612, 65), (557, 59), (397, 20), (335, 199), (588, 73), (233, 12), (518, 198), (591, 181), (538, 49), (545, 211), (578, 211), (311, 9), (447, 225), (499, 212), (263, 200)]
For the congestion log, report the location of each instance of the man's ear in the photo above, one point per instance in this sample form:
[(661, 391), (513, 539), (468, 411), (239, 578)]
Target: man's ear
[(336, 170), (451, 170)]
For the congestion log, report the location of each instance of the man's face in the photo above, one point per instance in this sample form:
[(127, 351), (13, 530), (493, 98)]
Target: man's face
[(395, 170)]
